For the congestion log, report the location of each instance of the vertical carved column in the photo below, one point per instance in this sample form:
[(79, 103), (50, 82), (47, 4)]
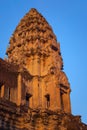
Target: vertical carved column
[(35, 92), (58, 98), (43, 89), (42, 67), (38, 72), (66, 101), (39, 92), (19, 90), (36, 65), (2, 91), (32, 65)]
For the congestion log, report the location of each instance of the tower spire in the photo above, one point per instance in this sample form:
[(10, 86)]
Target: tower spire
[(34, 46), (32, 34)]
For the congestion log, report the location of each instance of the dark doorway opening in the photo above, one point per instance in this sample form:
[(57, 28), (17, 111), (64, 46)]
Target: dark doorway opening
[(61, 97), (47, 96), (28, 96)]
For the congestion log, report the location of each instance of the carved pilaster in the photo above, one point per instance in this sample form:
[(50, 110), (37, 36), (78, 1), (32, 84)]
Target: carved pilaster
[(2, 91), (19, 90)]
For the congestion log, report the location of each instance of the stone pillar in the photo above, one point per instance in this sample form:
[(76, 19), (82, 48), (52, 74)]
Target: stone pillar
[(52, 93), (36, 65), (39, 93), (35, 93), (66, 101), (2, 91), (58, 98), (29, 64), (42, 67), (30, 102), (19, 90), (32, 65), (69, 103), (43, 86)]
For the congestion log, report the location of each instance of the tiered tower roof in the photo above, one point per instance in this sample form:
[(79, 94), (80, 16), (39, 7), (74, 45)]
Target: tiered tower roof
[(32, 33)]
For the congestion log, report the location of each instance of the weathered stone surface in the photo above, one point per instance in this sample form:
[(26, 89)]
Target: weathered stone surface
[(34, 39), (38, 120), (34, 47), (34, 90)]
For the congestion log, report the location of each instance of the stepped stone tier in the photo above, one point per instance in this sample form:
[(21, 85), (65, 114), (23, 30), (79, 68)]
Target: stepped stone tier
[(34, 90)]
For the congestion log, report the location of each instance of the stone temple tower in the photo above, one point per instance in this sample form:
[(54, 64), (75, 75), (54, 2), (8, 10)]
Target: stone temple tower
[(34, 90), (34, 46)]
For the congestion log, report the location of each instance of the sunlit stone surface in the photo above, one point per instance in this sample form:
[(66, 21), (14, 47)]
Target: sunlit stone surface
[(34, 90)]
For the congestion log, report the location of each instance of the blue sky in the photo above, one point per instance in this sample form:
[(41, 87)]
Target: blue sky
[(68, 19)]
